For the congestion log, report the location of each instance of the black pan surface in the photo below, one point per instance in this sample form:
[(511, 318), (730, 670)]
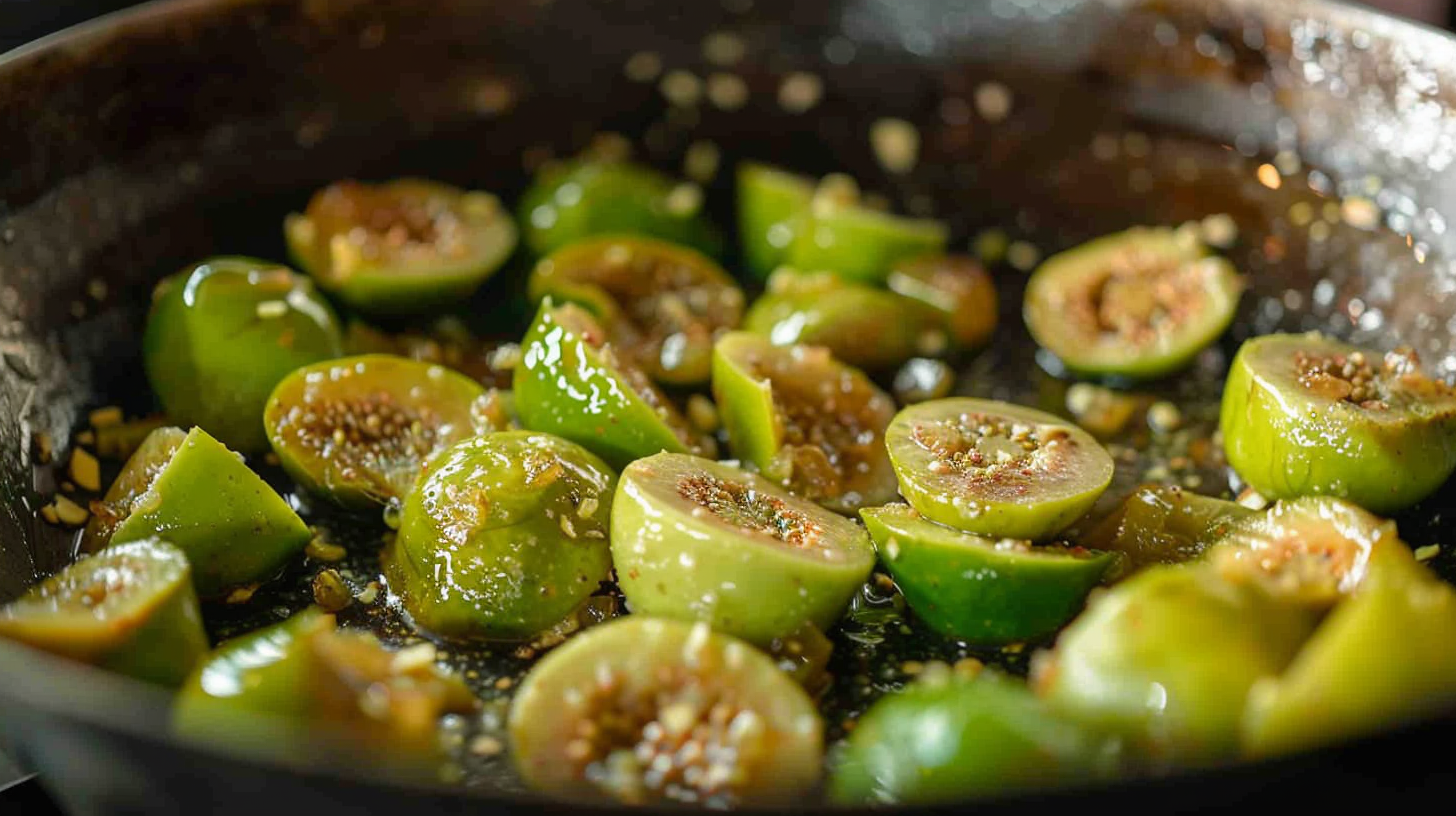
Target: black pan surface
[(188, 128)]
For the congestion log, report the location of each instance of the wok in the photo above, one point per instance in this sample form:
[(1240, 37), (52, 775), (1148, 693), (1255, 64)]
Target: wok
[(137, 143)]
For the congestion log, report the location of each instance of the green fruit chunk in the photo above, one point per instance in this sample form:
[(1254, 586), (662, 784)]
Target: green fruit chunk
[(861, 325), (282, 691), (947, 738), (222, 333), (840, 234), (1310, 551), (697, 540), (996, 469), (264, 672), (402, 247), (957, 287), (568, 202), (979, 589), (357, 430), (772, 207), (130, 609), (1384, 657), (505, 536), (804, 420), (788, 219), (1167, 658), (574, 383), (1138, 304), (1305, 415), (136, 476), (190, 490), (660, 304), (1161, 524), (647, 710)]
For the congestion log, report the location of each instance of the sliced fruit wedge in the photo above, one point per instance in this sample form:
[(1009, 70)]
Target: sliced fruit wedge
[(130, 609), (357, 430), (293, 688), (1386, 656), (262, 672), (137, 474), (804, 420), (572, 382), (643, 710), (824, 226), (1166, 660), (402, 247), (567, 202), (700, 541), (978, 589), (1305, 415), (1164, 524), (195, 493), (1137, 304), (996, 469), (861, 325), (1312, 551), (773, 206), (957, 287), (662, 305)]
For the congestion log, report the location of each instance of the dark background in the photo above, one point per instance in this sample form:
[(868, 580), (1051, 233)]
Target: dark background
[(24, 20)]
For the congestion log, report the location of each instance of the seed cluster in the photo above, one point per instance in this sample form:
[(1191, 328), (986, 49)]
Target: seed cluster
[(365, 433), (678, 740), (830, 425), (747, 509), (1289, 560), (1347, 377), (1139, 298), (382, 222), (1356, 379), (988, 449), (967, 442), (670, 305)]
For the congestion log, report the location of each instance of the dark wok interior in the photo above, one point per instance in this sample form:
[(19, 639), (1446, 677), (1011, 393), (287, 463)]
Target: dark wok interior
[(189, 128)]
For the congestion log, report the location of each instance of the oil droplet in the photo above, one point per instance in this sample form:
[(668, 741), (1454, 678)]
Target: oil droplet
[(800, 91), (896, 143), (1022, 256), (392, 513), (723, 48), (993, 101), (1269, 176), (681, 88), (644, 66), (727, 91)]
